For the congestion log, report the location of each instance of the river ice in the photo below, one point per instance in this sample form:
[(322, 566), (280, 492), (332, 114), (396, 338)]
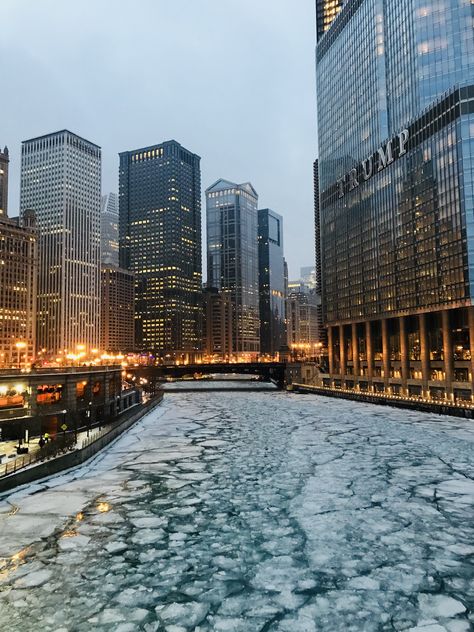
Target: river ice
[(251, 512)]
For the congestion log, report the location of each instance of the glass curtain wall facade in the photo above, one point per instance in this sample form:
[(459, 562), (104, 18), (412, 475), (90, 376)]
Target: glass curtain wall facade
[(271, 282), (109, 238), (4, 162), (326, 11), (160, 242), (395, 82), (61, 183), (232, 258)]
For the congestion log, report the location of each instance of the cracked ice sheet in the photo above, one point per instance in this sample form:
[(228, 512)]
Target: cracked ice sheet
[(250, 512)]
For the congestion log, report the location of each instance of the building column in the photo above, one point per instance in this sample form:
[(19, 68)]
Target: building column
[(342, 351), (330, 351), (355, 350), (385, 352), (447, 352), (424, 353), (404, 353), (369, 348), (470, 312)]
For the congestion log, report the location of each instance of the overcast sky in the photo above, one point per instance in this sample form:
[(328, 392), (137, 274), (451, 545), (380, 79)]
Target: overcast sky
[(231, 80)]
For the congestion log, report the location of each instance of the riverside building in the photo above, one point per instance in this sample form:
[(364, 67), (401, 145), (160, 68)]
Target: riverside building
[(271, 282), (395, 83), (18, 278), (60, 182), (117, 309), (160, 242), (232, 258)]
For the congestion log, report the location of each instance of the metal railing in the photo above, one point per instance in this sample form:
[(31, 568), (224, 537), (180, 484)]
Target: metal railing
[(51, 450), (67, 442)]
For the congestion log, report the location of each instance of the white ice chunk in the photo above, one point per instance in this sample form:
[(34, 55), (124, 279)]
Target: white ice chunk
[(116, 547), (32, 580), (74, 542), (188, 615)]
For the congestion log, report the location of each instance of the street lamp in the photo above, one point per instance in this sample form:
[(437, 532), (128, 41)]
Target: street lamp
[(19, 346)]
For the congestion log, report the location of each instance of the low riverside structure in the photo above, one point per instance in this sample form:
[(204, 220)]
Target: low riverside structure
[(45, 400)]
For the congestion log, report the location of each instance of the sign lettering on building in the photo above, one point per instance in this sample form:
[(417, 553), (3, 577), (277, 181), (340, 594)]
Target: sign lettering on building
[(377, 162)]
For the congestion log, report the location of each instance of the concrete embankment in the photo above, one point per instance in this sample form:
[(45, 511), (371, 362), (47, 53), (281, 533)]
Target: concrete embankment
[(383, 400), (80, 455)]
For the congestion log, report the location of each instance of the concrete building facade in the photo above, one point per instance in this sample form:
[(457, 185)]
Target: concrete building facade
[(18, 289), (61, 182), (117, 310), (217, 325)]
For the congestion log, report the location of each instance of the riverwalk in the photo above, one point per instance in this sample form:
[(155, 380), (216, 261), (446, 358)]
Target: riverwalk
[(62, 455)]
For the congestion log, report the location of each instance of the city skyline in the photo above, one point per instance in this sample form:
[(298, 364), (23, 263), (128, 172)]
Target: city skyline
[(282, 150)]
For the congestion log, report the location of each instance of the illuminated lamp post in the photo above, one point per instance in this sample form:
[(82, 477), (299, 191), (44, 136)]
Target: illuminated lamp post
[(20, 345)]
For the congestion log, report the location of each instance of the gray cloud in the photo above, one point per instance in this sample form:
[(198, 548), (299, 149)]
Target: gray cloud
[(231, 80)]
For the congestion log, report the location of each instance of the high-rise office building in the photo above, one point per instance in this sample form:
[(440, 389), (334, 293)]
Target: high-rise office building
[(109, 235), (303, 329), (160, 242), (395, 84), (60, 181), (232, 257), (326, 12), (18, 278), (308, 276), (217, 324), (4, 163), (317, 252), (271, 282), (117, 310)]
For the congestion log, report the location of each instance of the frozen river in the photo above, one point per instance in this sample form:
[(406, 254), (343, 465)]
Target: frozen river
[(246, 512)]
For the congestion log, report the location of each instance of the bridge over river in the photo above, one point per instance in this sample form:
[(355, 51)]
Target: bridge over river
[(269, 371)]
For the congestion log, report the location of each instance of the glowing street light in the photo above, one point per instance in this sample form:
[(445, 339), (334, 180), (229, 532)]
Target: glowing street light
[(20, 345)]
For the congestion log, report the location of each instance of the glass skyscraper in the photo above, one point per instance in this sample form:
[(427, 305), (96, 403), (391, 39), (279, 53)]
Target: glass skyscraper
[(160, 242), (395, 85), (326, 11), (109, 236), (232, 257), (271, 282), (4, 162)]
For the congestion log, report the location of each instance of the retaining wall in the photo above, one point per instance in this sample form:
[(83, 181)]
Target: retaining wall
[(79, 456), (425, 407)]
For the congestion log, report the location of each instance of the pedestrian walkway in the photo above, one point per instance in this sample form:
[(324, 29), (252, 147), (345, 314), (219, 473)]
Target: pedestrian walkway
[(8, 448)]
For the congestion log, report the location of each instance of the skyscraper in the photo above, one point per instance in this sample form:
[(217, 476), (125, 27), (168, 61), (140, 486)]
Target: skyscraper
[(326, 12), (271, 282), (4, 162), (117, 310), (160, 242), (317, 252), (303, 329), (109, 237), (232, 257), (217, 328), (395, 88), (18, 279), (60, 181), (308, 276)]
